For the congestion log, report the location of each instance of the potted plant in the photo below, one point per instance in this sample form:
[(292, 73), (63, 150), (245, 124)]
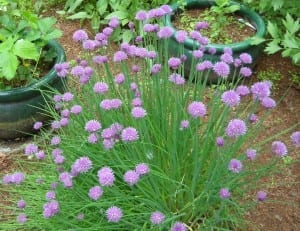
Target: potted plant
[(218, 10), (28, 53)]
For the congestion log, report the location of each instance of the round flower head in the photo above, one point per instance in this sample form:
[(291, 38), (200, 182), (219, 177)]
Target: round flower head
[(55, 140), (40, 155), (237, 62), (206, 64), (279, 148), (129, 134), (88, 44), (155, 68), (174, 62), (246, 58), (245, 72), (268, 102), (100, 88), (195, 35), (138, 112), (107, 31), (113, 22), (177, 79), (184, 124), (131, 177), (22, 218), (68, 96), (261, 196), (197, 54), (227, 58), (50, 195), (251, 154), (253, 118), (62, 69), (95, 192), (181, 36), (141, 15), (295, 137), (80, 35), (93, 138), (31, 149), (165, 32), (21, 204), (92, 126), (242, 90), (54, 185), (55, 125), (260, 90), (224, 193), (59, 159), (197, 109), (100, 59), (137, 102), (142, 169), (114, 214), (222, 69), (106, 176), (119, 56), (228, 50), (178, 226), (76, 109), (37, 125), (66, 179), (157, 218), (119, 78), (17, 178), (201, 25), (212, 50), (230, 98), (82, 165), (235, 166), (50, 209), (236, 128), (108, 143), (220, 141)]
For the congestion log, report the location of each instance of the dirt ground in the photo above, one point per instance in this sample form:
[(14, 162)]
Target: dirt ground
[(281, 211)]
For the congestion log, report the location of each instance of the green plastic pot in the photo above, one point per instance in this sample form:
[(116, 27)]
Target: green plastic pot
[(237, 48), (21, 107)]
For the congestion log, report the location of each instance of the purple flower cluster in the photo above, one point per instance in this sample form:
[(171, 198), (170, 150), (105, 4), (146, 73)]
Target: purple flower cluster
[(21, 204), (100, 88), (50, 209), (129, 134), (95, 192), (235, 166), (22, 218), (114, 214), (178, 226), (165, 32), (295, 137), (279, 148), (177, 79), (15, 178), (236, 128), (230, 98), (251, 154), (174, 62), (106, 176), (138, 112), (197, 109), (62, 69), (92, 126), (222, 69), (31, 149), (66, 179), (157, 218), (81, 165), (110, 104), (261, 195), (224, 193)]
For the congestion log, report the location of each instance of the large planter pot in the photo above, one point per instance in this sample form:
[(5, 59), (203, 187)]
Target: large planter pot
[(20, 107), (237, 48)]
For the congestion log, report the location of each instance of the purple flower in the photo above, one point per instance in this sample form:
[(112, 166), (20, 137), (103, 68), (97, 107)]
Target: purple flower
[(55, 125), (137, 102), (21, 204), (115, 103), (62, 69), (64, 122), (138, 112), (135, 68), (68, 96), (77, 71), (151, 54), (142, 169), (220, 141), (228, 50), (129, 134), (261, 196), (31, 149), (251, 154), (37, 125), (157, 218), (131, 177), (222, 69), (106, 176), (245, 72), (93, 138), (149, 28), (50, 209), (100, 88), (227, 58), (113, 22), (131, 26), (40, 155), (235, 166), (235, 128), (197, 109), (224, 193), (181, 36), (166, 8), (22, 218), (201, 25), (212, 50), (119, 78), (107, 133), (80, 35), (15, 178), (230, 98), (76, 109), (114, 214), (59, 159), (55, 140), (65, 113), (56, 152), (107, 31), (177, 79), (82, 165), (80, 216), (268, 102), (66, 179), (57, 98), (197, 54), (89, 45), (174, 62), (141, 15), (279, 148), (155, 68), (100, 59), (237, 62), (184, 124), (253, 118), (195, 35), (246, 58), (120, 56), (50, 195), (165, 32), (295, 138), (178, 226), (206, 64), (95, 192), (6, 179), (260, 90), (54, 185), (92, 126), (242, 90), (108, 143)]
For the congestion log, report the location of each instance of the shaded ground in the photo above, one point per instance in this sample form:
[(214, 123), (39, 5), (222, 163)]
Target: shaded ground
[(282, 209)]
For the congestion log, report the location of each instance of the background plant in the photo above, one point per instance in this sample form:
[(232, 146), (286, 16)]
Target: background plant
[(23, 36), (196, 169)]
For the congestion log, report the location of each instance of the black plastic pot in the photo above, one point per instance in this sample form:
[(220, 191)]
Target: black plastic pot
[(20, 107), (237, 48)]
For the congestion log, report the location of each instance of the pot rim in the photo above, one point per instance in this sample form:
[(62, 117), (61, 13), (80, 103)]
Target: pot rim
[(236, 47), (33, 88)]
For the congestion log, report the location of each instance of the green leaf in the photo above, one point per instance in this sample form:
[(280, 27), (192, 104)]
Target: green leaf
[(232, 8), (26, 50), (257, 40), (53, 35), (296, 58), (79, 15), (46, 24), (273, 30), (74, 5), (127, 36), (290, 24), (273, 46), (291, 41), (277, 4), (8, 64), (119, 14), (7, 44), (102, 6), (95, 22)]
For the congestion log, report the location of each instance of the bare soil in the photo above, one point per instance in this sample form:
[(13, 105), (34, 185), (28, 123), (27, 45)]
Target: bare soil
[(281, 211)]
